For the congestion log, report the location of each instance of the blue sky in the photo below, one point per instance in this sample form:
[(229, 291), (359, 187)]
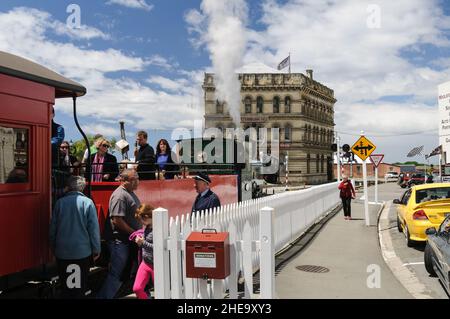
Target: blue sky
[(143, 61)]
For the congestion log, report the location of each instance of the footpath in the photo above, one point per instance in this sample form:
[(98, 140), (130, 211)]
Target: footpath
[(343, 261)]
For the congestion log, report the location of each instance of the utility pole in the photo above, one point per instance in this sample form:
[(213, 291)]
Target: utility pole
[(338, 155), (366, 195), (287, 170)]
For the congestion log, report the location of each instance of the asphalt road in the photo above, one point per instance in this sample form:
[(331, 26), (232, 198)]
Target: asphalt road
[(412, 258)]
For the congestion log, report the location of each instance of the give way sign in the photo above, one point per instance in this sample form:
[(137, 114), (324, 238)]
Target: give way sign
[(376, 159)]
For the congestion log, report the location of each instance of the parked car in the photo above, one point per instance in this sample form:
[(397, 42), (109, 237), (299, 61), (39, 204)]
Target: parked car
[(418, 179), (391, 175), (422, 207), (403, 179), (437, 253)]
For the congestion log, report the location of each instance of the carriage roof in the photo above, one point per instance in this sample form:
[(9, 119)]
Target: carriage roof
[(16, 66)]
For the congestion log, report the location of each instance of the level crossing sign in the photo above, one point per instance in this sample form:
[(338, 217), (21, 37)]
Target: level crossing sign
[(363, 148), (376, 159)]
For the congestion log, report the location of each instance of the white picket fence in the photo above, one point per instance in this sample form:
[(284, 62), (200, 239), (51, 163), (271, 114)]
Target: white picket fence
[(257, 229)]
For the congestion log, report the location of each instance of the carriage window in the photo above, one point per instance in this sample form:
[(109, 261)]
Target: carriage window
[(13, 155)]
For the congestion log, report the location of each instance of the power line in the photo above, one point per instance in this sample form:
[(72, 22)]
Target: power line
[(389, 134)]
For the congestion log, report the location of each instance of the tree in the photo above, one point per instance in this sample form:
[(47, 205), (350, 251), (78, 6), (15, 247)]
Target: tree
[(409, 163), (79, 146)]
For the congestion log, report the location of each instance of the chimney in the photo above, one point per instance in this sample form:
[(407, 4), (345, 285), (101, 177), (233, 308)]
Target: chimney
[(309, 72)]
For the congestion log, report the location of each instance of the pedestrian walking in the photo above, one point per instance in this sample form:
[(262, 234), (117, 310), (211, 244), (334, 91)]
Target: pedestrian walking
[(74, 238), (347, 193)]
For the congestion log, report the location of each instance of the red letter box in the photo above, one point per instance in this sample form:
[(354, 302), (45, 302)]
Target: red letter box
[(207, 255)]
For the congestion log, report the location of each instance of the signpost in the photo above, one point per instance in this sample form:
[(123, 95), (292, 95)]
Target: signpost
[(363, 148), (376, 160), (338, 157)]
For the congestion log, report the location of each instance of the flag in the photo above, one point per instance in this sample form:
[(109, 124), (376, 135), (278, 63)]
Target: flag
[(284, 63), (436, 151), (415, 151)]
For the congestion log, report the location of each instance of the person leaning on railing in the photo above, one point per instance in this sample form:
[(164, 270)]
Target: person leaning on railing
[(68, 163), (144, 156), (104, 166), (167, 168)]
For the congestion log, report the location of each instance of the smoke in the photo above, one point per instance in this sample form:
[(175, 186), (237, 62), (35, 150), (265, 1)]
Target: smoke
[(226, 40)]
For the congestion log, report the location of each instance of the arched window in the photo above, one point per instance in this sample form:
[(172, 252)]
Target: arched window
[(248, 104), (287, 104), (219, 107), (276, 104), (259, 104)]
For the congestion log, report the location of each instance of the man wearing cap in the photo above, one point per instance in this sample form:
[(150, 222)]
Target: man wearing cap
[(206, 199)]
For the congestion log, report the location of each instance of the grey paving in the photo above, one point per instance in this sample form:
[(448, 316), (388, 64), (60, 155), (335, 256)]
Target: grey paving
[(351, 252)]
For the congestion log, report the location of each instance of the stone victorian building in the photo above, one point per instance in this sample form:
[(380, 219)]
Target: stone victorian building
[(302, 109)]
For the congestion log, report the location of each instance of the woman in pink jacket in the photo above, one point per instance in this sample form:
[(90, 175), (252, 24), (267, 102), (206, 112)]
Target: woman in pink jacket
[(346, 194)]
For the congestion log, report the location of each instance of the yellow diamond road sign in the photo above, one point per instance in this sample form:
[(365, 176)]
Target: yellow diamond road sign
[(363, 148)]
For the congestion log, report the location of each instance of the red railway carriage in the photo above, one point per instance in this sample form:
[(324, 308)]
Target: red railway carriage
[(27, 94)]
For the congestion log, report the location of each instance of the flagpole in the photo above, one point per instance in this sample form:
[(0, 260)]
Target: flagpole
[(289, 62), (425, 176)]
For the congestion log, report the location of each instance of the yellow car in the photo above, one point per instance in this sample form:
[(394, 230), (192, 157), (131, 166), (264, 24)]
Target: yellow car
[(421, 207)]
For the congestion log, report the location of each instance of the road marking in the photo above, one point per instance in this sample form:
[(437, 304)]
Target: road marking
[(417, 263), (406, 277)]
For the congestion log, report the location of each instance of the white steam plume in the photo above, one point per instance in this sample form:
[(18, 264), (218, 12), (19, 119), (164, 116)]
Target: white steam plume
[(226, 40)]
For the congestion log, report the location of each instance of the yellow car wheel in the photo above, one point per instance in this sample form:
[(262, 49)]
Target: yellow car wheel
[(409, 242), (399, 225)]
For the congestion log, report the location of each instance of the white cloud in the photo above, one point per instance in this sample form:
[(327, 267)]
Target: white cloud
[(169, 84), (42, 21), (388, 118), (94, 128), (162, 62), (196, 25), (136, 4), (362, 65), (24, 32), (83, 32), (332, 37)]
